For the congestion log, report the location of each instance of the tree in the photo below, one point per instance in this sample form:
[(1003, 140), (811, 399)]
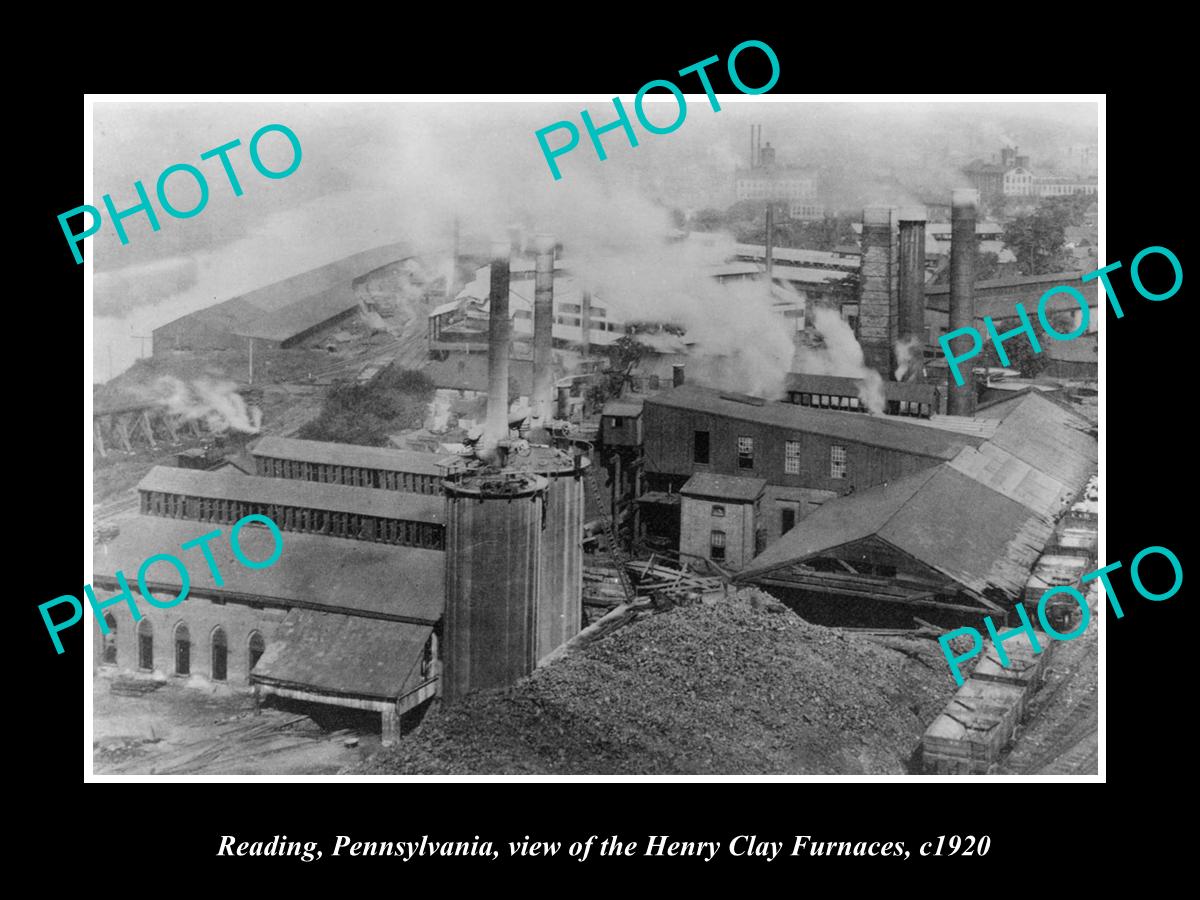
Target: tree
[(1020, 355), (1036, 239), (987, 266), (708, 220), (623, 356), (367, 413)]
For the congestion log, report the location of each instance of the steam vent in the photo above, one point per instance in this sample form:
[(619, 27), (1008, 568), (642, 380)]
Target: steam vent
[(493, 553)]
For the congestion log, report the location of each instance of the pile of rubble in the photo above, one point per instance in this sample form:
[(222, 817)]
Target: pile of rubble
[(739, 686)]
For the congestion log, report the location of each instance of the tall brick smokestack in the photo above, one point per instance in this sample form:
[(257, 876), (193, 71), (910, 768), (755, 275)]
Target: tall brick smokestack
[(499, 335), (877, 304), (961, 400), (911, 321), (543, 337)]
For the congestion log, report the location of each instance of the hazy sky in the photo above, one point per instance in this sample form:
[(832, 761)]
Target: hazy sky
[(379, 172)]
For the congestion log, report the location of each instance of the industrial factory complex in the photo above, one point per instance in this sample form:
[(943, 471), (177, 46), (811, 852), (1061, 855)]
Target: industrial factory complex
[(553, 502)]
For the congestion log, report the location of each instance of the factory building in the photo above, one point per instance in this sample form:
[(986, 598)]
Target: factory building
[(282, 314), (805, 454), (901, 398), (303, 507), (333, 621), (719, 519), (356, 466), (948, 543), (793, 188), (363, 606)]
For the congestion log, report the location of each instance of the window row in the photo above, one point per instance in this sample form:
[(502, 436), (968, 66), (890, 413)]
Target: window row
[(182, 646), (298, 519), (791, 455), (354, 476)]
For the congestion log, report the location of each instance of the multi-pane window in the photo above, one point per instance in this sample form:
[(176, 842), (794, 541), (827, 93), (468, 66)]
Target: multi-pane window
[(717, 545), (745, 447), (791, 457), (700, 447), (837, 461)]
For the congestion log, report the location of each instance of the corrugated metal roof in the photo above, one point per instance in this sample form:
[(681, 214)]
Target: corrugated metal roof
[(1050, 438), (290, 492), (888, 432), (305, 313), (839, 521), (724, 487), (624, 407), (949, 521), (1014, 478), (241, 310), (797, 255), (343, 574), (328, 453), (339, 654)]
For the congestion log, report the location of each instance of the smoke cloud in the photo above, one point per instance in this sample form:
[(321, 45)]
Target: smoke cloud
[(842, 356), (906, 356), (216, 403)]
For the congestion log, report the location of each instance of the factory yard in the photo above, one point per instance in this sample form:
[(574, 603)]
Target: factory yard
[(742, 686), (177, 730)]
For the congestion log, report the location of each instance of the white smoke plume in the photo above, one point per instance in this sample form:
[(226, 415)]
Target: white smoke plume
[(906, 356), (216, 403), (842, 356)]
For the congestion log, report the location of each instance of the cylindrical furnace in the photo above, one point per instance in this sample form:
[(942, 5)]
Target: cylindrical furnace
[(493, 552), (560, 593)]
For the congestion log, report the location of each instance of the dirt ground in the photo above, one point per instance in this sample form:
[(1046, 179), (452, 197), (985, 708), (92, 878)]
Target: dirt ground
[(180, 730)]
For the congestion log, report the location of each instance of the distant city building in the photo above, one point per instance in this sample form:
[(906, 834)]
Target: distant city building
[(1013, 177), (792, 187)]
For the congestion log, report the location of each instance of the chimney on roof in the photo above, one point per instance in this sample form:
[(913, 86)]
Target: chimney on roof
[(911, 314), (960, 401), (499, 336), (877, 295), (543, 337)]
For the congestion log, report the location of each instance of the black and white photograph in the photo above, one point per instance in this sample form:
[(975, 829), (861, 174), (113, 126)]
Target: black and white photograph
[(533, 436)]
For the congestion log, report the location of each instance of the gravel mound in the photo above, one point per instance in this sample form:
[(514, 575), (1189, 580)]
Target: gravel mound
[(743, 686)]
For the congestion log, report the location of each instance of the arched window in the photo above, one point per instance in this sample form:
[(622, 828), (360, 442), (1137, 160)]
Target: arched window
[(220, 654), (110, 640), (257, 645), (183, 650), (145, 636)]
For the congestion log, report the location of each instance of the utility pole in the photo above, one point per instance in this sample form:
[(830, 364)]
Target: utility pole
[(251, 342)]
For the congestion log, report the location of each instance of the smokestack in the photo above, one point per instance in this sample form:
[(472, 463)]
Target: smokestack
[(452, 281), (543, 335), (585, 324), (770, 250), (911, 323), (877, 294), (498, 345), (758, 145), (677, 374), (960, 401)]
